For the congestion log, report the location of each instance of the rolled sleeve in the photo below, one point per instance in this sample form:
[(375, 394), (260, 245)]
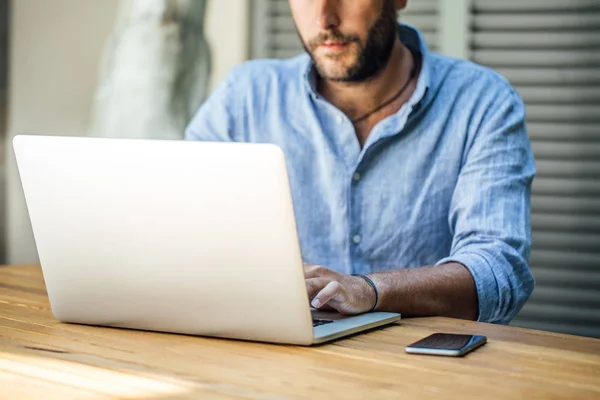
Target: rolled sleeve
[(490, 211), (485, 282)]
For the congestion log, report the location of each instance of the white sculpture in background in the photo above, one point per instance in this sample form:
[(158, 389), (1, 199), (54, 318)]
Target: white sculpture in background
[(154, 71)]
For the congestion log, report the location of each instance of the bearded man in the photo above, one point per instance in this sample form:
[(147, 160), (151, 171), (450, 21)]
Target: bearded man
[(410, 171)]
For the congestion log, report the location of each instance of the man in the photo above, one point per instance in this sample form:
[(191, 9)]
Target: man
[(409, 169)]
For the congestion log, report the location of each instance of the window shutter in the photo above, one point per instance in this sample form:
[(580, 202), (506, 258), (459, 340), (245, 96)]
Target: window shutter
[(274, 31), (275, 36), (423, 15), (550, 51)]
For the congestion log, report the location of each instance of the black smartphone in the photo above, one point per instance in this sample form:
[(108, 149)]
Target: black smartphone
[(446, 344)]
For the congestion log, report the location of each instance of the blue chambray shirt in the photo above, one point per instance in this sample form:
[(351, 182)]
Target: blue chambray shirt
[(446, 178)]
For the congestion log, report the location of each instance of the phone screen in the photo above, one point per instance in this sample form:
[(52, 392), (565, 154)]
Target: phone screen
[(447, 342)]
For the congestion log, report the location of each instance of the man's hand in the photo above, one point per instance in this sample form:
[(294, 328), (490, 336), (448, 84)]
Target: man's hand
[(446, 290), (345, 293)]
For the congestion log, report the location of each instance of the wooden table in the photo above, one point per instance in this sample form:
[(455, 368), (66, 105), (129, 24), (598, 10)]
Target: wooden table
[(42, 358)]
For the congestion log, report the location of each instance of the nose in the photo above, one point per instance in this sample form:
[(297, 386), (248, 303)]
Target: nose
[(326, 17)]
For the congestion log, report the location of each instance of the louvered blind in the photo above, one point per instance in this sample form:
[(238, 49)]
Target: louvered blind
[(550, 52), (275, 36), (423, 15), (274, 33)]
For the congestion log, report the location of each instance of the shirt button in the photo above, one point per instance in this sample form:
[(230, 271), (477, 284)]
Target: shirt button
[(339, 119), (356, 239), (356, 177)]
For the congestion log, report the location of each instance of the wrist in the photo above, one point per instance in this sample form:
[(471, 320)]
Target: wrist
[(372, 289)]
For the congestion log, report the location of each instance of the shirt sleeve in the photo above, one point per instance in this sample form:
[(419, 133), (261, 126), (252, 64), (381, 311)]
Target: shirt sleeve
[(490, 211), (215, 120)]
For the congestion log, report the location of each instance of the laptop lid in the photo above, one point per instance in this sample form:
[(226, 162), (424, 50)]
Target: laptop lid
[(186, 237)]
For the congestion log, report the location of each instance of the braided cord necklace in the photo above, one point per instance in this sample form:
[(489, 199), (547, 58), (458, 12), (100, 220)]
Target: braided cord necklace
[(413, 73)]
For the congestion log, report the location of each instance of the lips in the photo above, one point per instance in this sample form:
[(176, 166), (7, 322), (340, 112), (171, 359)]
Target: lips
[(334, 45)]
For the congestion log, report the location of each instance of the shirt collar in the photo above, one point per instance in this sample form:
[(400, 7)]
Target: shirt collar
[(410, 37)]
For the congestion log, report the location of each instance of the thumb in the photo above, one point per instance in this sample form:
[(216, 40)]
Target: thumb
[(328, 293)]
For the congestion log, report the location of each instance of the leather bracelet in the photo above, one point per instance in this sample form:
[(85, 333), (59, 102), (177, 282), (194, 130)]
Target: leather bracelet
[(370, 282)]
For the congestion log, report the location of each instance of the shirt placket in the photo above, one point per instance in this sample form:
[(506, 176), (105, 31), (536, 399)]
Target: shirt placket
[(360, 230)]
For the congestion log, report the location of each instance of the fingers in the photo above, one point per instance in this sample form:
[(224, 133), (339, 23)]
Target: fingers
[(329, 295), (314, 271), (314, 286), (325, 290)]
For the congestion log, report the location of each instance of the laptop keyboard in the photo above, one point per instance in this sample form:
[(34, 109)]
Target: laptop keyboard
[(318, 322)]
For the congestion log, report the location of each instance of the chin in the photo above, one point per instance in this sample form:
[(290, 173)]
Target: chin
[(333, 70)]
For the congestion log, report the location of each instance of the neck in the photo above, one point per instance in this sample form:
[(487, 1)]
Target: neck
[(358, 98)]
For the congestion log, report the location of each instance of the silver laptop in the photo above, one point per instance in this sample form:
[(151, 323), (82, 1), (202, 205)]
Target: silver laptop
[(186, 237)]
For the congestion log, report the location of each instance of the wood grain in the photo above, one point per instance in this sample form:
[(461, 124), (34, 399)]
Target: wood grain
[(42, 358)]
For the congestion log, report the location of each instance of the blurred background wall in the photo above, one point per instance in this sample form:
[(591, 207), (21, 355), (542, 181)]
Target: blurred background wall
[(548, 49), (55, 49)]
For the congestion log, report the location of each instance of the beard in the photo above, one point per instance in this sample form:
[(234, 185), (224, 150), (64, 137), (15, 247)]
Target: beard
[(365, 59)]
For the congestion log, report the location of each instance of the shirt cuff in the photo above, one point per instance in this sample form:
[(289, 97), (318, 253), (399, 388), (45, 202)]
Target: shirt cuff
[(485, 283)]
